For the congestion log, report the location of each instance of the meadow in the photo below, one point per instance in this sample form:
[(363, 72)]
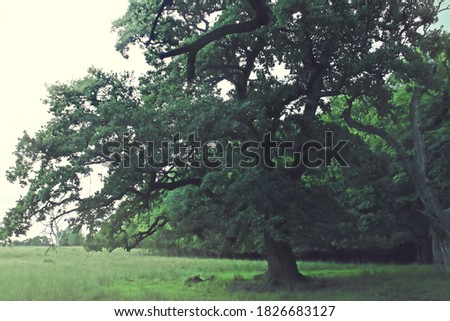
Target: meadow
[(74, 274)]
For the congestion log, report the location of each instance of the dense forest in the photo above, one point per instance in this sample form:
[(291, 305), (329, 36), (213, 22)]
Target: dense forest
[(270, 129)]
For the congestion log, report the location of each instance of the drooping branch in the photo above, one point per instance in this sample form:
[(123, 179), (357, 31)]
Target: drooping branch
[(192, 49), (105, 203), (442, 146), (159, 222), (433, 208), (400, 150), (60, 215)]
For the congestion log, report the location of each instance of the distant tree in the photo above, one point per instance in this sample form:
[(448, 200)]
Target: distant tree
[(70, 237), (34, 241)]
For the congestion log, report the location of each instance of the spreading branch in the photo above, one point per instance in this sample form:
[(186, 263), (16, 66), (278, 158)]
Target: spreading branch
[(433, 208), (159, 222), (262, 18), (347, 115), (176, 184), (155, 21)]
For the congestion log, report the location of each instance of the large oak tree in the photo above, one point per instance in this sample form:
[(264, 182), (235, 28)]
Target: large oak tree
[(323, 48)]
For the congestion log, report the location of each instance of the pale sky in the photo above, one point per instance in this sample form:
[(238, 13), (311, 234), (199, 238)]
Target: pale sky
[(46, 41), (43, 42)]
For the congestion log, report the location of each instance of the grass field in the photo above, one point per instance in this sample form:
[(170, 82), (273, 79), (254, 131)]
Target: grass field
[(73, 274)]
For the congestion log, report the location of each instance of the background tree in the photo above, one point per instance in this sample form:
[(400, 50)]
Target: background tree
[(70, 237), (378, 201), (34, 241), (409, 111)]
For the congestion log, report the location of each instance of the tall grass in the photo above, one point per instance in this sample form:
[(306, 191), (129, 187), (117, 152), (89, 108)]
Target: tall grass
[(73, 274)]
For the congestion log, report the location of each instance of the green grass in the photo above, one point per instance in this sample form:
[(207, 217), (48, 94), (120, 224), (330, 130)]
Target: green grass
[(73, 274)]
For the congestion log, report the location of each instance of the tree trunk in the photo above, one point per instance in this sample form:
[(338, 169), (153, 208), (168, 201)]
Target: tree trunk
[(424, 252), (282, 267), (441, 251)]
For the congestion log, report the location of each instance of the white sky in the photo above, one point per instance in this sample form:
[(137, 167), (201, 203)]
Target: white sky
[(42, 42), (49, 40)]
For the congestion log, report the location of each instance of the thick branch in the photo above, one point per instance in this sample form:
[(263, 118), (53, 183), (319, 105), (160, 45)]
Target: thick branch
[(417, 175), (418, 139), (64, 201), (53, 219), (173, 185), (400, 150), (241, 87), (237, 75), (314, 89), (155, 21), (159, 222), (262, 18)]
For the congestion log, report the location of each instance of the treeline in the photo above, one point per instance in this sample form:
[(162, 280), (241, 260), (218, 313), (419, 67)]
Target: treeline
[(405, 252), (67, 238)]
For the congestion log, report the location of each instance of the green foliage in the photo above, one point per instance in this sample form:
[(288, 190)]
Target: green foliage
[(71, 238), (34, 241), (386, 115), (325, 48), (365, 198)]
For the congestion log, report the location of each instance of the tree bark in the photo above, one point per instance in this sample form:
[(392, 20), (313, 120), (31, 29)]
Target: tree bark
[(282, 267), (424, 252), (441, 251)]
